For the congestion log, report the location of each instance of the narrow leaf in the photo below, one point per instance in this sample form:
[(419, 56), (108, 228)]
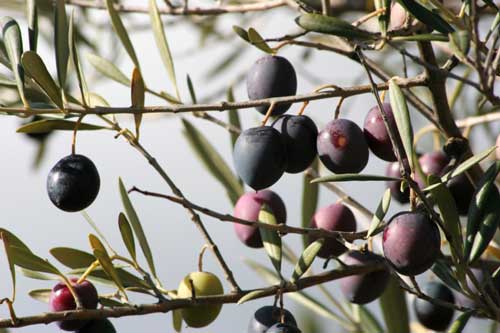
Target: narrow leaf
[(234, 118), (449, 213), (213, 161), (469, 163), (192, 92), (138, 94), (402, 117), (137, 227), (108, 267), (72, 258), (306, 259), (127, 235), (8, 252), (459, 323), (120, 30), (241, 32), (429, 18), (108, 69), (61, 41), (394, 308), (32, 16), (13, 42), (42, 295), (48, 125), (257, 40), (443, 271), (251, 295), (310, 194), (270, 238), (332, 26), (347, 177), (73, 52), (37, 275), (35, 68), (26, 259), (177, 320), (162, 44), (380, 213)]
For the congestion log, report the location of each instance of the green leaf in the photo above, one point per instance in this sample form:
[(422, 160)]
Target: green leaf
[(257, 40), (347, 177), (468, 163), (422, 38), (384, 18), (10, 260), (270, 238), (42, 295), (162, 44), (138, 94), (379, 215), (192, 92), (459, 323), (73, 52), (177, 320), (449, 213), (234, 118), (402, 118), (443, 271), (212, 160), (13, 43), (72, 258), (429, 18), (394, 308), (32, 17), (332, 26), (460, 43), (24, 258), (13, 239), (37, 275), (120, 30), (137, 227), (108, 69), (306, 259), (483, 216), (127, 235), (252, 295), (48, 125), (61, 42), (34, 67), (310, 194), (111, 303), (108, 267), (242, 33), (368, 321)]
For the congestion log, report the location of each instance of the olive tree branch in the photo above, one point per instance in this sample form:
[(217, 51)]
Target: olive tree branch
[(169, 305), (222, 106)]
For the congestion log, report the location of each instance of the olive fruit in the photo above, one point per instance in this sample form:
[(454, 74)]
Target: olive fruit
[(342, 147), (432, 164), (283, 328), (260, 157), (462, 191), (248, 208), (433, 316), (411, 242), (73, 183), (300, 135), (271, 76), (61, 299), (392, 170), (205, 284), (364, 288), (376, 133), (98, 326), (267, 316), (336, 217)]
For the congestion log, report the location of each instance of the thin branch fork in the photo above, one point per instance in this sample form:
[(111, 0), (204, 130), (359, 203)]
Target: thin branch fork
[(281, 228), (416, 81), (163, 307)]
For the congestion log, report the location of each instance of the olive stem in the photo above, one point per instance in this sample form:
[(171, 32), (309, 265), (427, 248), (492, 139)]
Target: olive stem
[(268, 113), (200, 257), (75, 131)]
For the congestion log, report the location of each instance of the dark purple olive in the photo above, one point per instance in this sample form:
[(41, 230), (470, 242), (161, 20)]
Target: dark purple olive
[(392, 170), (433, 316), (376, 133)]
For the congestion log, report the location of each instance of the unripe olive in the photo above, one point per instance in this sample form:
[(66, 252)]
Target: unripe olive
[(205, 284)]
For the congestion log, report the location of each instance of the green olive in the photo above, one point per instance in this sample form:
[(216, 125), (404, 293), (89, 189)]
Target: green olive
[(205, 284)]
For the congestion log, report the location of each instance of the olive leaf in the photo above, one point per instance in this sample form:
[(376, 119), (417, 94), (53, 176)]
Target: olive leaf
[(32, 16), (402, 118), (270, 238), (61, 41), (394, 308), (310, 195), (306, 259), (138, 93), (127, 235), (380, 213), (333, 26), (347, 177), (48, 125)]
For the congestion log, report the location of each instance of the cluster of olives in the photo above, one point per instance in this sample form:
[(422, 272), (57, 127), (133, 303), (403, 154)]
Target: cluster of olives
[(61, 299)]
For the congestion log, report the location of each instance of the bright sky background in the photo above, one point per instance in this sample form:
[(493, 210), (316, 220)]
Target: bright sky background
[(27, 211)]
